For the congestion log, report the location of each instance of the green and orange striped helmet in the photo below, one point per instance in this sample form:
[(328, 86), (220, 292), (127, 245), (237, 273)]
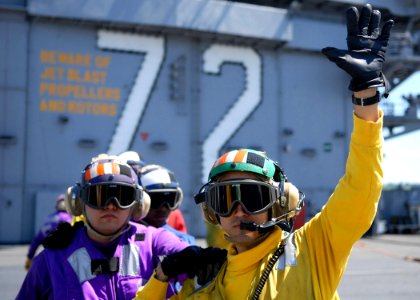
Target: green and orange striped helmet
[(247, 160), (287, 206)]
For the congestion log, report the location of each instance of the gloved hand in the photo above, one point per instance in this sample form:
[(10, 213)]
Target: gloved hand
[(28, 263), (62, 236), (211, 261), (365, 56), (183, 262), (194, 261)]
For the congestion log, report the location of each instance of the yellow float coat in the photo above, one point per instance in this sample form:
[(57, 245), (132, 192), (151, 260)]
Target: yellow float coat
[(322, 246)]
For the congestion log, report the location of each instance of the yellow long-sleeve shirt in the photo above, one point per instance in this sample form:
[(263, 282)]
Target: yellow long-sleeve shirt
[(316, 255)]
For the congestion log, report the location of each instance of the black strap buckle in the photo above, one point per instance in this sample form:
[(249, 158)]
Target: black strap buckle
[(366, 101), (105, 266)]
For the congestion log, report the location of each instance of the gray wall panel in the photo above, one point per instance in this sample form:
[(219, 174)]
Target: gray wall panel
[(13, 62), (51, 139), (11, 224), (12, 123), (313, 106)]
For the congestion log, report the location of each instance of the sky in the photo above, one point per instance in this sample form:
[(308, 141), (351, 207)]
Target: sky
[(402, 154)]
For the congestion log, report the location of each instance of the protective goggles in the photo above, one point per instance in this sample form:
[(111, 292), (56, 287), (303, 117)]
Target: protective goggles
[(171, 198), (100, 195), (254, 196)]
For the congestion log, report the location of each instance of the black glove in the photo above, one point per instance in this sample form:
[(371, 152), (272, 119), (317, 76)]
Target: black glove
[(183, 262), (211, 261), (365, 56), (62, 237), (194, 261)]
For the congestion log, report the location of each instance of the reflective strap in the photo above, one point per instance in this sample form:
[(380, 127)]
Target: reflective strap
[(289, 257), (81, 263), (130, 264), (105, 266)]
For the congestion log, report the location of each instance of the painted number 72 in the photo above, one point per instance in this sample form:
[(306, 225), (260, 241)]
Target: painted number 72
[(153, 49)]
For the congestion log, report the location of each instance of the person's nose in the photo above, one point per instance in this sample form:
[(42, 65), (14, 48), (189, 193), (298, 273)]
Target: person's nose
[(238, 210), (111, 204), (164, 207)]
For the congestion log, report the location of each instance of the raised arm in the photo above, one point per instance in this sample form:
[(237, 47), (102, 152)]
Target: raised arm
[(352, 206)]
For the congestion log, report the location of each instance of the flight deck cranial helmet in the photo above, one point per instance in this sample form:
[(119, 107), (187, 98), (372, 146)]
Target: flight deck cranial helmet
[(107, 180), (276, 195), (133, 159), (162, 187)]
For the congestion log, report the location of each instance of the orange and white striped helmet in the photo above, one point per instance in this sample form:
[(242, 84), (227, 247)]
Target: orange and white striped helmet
[(109, 170)]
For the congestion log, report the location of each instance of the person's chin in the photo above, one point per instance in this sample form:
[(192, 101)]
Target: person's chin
[(108, 218), (109, 230), (161, 219), (243, 236)]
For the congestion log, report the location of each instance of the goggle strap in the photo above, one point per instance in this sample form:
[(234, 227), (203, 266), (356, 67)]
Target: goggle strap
[(279, 174), (200, 197)]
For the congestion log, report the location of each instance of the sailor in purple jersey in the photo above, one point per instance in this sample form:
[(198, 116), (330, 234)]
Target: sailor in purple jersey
[(107, 256), (60, 215)]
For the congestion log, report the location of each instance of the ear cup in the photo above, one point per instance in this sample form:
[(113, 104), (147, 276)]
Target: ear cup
[(72, 200), (141, 208), (208, 214), (288, 203), (292, 194)]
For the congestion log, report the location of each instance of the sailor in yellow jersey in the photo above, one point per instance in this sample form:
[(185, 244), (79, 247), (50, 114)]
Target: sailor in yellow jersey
[(249, 195)]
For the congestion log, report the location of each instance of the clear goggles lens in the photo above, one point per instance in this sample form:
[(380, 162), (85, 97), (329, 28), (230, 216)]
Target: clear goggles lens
[(170, 198), (254, 196), (99, 196)]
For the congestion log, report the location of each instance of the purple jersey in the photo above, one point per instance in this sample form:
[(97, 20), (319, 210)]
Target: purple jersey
[(81, 271)]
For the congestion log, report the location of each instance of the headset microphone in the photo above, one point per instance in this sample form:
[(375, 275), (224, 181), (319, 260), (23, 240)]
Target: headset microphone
[(249, 226), (266, 227)]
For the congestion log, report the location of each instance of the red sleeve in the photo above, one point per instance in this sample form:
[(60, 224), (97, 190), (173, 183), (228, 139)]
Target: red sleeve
[(176, 220)]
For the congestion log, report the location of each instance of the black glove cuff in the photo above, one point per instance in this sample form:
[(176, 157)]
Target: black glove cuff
[(62, 236), (359, 85), (366, 101)]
